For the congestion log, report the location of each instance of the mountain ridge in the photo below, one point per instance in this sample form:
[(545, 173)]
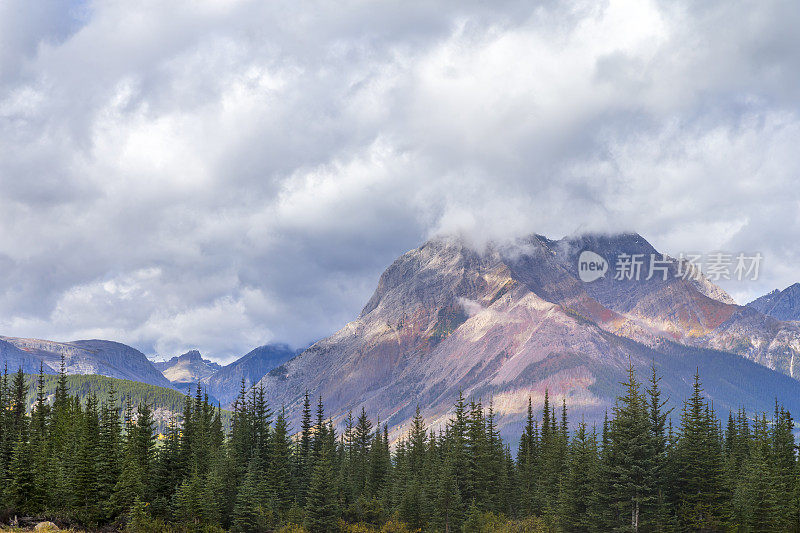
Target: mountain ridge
[(225, 383), (512, 319), (92, 356), (189, 367), (781, 304)]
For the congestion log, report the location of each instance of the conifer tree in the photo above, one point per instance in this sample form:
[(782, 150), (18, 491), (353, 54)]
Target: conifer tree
[(380, 464), (448, 509), (658, 515), (415, 506), (213, 504), (108, 450), (362, 438), (632, 458), (783, 468), (322, 509), (303, 456), (40, 445), (527, 463), (578, 505), (698, 465), (761, 510), (5, 444), (187, 502), (84, 474), (280, 465), (21, 483)]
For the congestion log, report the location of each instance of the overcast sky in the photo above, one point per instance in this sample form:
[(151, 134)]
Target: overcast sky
[(224, 174)]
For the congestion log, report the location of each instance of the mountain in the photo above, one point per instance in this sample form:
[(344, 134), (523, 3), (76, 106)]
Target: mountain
[(106, 358), (12, 358), (226, 382), (783, 305), (694, 312), (508, 321), (187, 368)]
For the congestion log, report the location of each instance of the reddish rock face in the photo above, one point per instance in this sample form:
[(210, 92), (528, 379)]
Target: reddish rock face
[(507, 322)]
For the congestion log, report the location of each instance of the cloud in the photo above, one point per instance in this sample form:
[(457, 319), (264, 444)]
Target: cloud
[(224, 174)]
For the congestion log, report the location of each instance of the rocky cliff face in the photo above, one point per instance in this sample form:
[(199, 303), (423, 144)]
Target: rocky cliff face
[(187, 368), (783, 305), (106, 358), (509, 321), (12, 359)]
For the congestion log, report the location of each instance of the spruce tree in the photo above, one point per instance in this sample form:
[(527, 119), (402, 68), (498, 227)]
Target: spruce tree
[(280, 465), (40, 445), (362, 439), (657, 509), (85, 475), (783, 468), (21, 483), (250, 512), (449, 508), (578, 510), (108, 445), (322, 509), (527, 463), (699, 480), (632, 459), (187, 502)]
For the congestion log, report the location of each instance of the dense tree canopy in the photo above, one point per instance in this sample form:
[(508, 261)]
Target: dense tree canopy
[(81, 459)]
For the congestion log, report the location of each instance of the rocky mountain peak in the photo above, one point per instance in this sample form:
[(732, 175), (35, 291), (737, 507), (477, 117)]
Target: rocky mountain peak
[(783, 305), (510, 319), (191, 355)]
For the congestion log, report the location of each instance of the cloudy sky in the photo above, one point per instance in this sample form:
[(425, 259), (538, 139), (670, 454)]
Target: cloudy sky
[(223, 174)]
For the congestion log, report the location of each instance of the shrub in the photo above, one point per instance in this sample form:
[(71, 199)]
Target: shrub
[(395, 526), (292, 528)]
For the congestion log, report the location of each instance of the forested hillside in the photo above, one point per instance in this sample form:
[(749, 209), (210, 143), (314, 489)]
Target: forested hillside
[(644, 469), (163, 402)]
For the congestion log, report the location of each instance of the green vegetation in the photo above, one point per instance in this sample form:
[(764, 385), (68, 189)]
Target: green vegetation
[(164, 402), (447, 321), (72, 460)]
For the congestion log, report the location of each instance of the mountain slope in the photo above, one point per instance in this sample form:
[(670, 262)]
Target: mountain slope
[(783, 305), (693, 312), (187, 368), (12, 358), (510, 321), (102, 357), (226, 382)]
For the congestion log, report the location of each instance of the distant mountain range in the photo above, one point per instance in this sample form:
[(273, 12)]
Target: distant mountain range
[(106, 358), (501, 323), (226, 382), (187, 368), (783, 305), (506, 322)]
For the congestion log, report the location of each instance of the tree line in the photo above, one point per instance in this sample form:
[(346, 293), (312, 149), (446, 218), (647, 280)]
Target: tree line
[(98, 463), (161, 400)]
